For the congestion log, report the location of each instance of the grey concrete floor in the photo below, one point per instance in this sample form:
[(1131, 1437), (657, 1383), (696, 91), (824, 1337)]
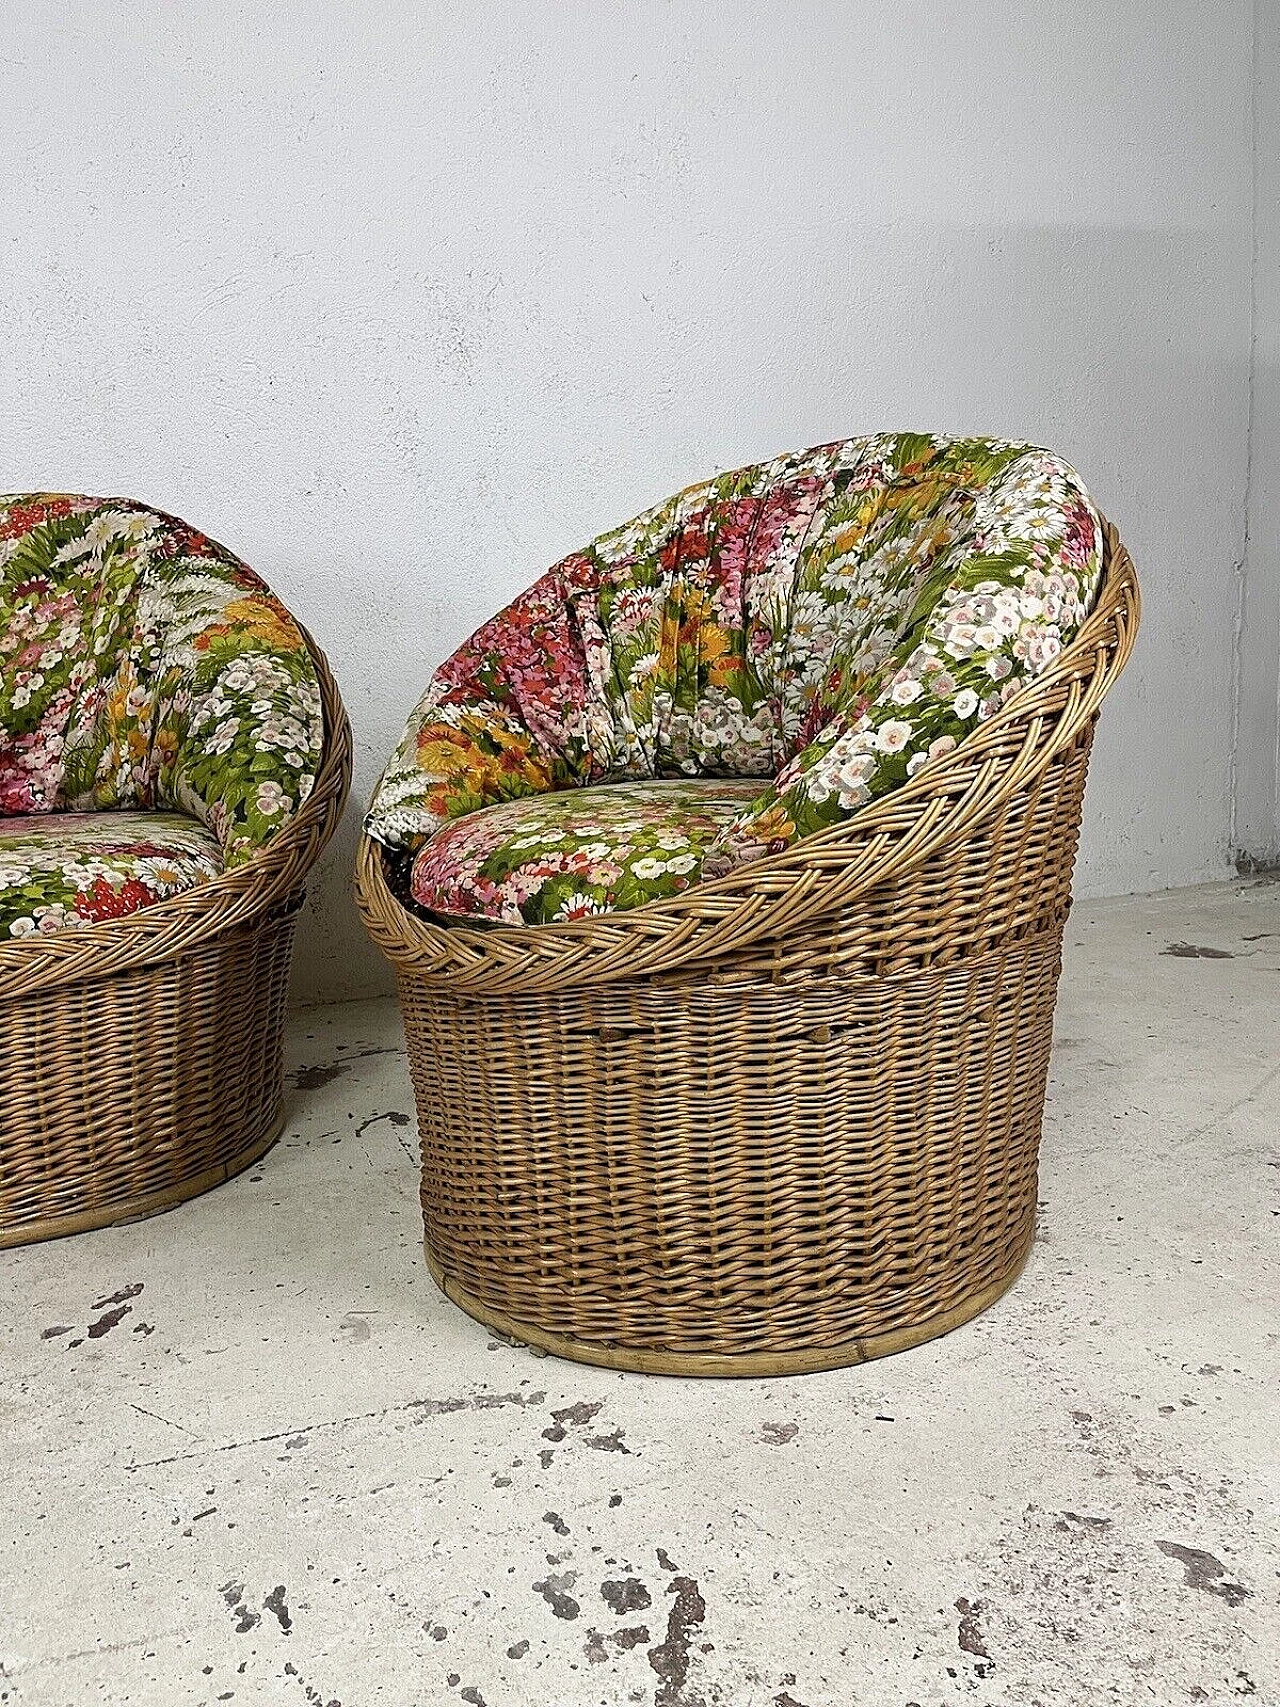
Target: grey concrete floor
[(269, 1464)]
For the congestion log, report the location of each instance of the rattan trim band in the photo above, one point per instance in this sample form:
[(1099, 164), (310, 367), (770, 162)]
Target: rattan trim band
[(140, 1208), (760, 1364)]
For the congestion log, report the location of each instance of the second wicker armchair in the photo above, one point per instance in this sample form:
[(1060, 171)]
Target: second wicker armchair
[(173, 757)]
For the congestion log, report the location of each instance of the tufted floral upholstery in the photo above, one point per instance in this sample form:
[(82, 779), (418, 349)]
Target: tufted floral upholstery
[(826, 624), (142, 667), (63, 869), (567, 856)]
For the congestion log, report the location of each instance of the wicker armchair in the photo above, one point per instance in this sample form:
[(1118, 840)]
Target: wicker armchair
[(787, 1118), (141, 1060)]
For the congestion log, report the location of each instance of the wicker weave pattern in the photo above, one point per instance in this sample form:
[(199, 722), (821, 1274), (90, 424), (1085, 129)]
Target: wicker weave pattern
[(141, 1058), (791, 1119)]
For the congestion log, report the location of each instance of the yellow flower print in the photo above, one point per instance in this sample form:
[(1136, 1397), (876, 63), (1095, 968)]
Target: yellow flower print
[(775, 825), (716, 655), (266, 620)]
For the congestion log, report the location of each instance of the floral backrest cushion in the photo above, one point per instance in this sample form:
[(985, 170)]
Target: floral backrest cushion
[(649, 653), (828, 620), (941, 577), (141, 664)]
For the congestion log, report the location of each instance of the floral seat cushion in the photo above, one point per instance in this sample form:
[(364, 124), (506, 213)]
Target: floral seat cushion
[(826, 623), (143, 665), (554, 857), (60, 870)]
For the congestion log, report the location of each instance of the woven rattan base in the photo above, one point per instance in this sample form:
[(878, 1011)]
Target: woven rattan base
[(123, 1096), (737, 1171), (749, 1364), (151, 1203)]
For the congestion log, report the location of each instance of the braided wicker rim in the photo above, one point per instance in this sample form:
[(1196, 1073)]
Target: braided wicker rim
[(822, 873), (171, 928)]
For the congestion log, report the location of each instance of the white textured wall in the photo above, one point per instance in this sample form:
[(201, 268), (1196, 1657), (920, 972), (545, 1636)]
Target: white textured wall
[(403, 301), (1255, 826)]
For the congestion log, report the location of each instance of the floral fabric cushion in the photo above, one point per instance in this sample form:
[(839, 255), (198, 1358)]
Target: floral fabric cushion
[(143, 665), (569, 855), (60, 870), (650, 653), (827, 623), (972, 568)]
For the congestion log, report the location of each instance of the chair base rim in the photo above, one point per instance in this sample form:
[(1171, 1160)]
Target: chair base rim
[(711, 1365), (149, 1203)]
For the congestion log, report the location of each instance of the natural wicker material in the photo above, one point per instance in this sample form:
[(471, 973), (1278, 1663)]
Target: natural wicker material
[(140, 1059), (790, 1119)]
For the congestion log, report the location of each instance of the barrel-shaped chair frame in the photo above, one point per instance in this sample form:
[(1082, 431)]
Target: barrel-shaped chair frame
[(790, 1119), (142, 1058)]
